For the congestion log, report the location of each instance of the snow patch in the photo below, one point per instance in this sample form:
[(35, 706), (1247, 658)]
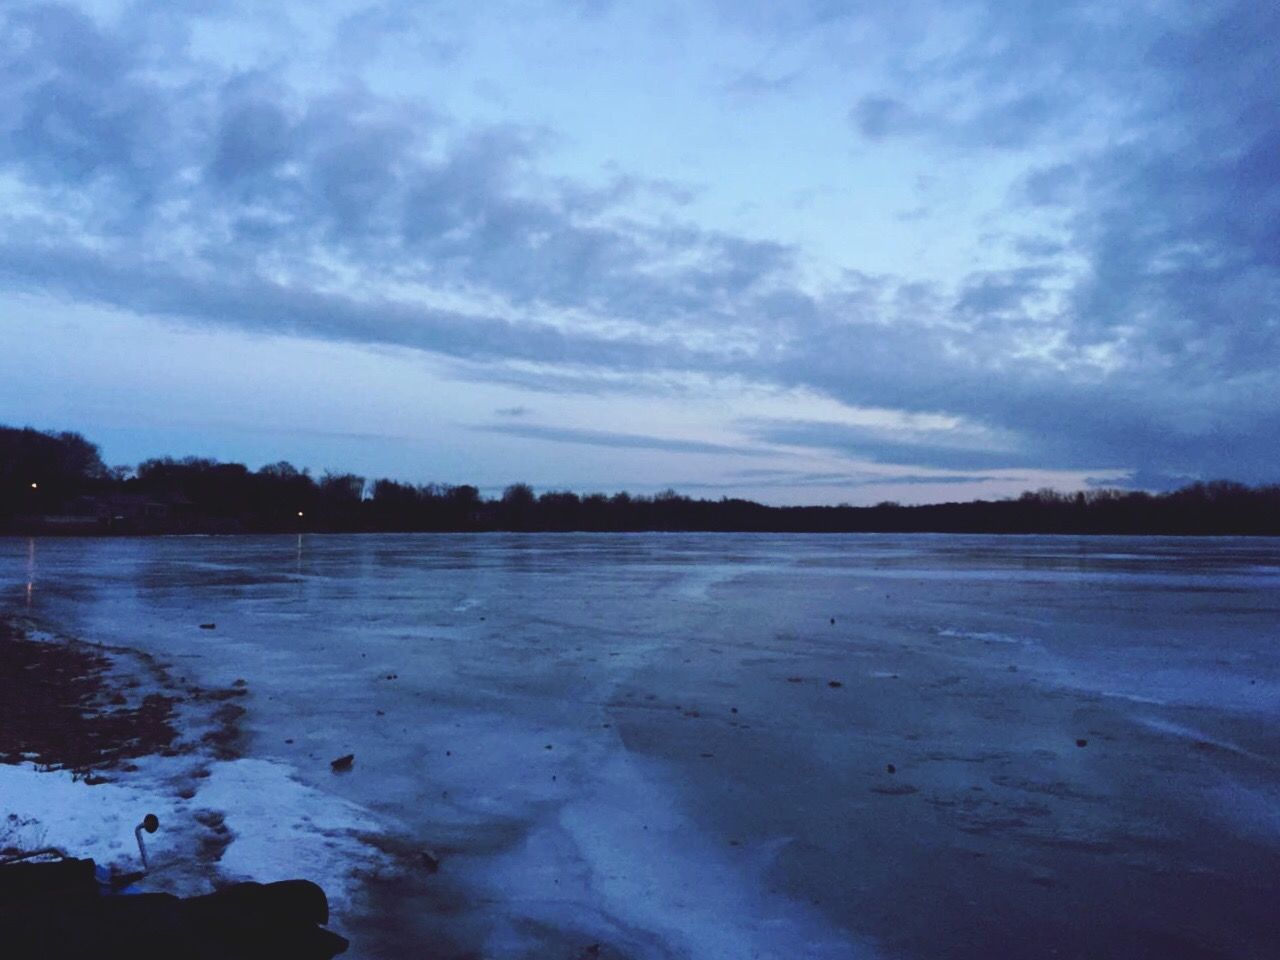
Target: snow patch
[(56, 809), (282, 829)]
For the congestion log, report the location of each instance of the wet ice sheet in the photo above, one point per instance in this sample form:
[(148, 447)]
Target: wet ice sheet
[(664, 744)]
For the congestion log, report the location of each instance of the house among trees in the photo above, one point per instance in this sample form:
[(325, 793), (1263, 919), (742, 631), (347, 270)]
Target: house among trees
[(127, 510)]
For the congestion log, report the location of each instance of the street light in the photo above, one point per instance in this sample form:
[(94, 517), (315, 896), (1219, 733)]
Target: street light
[(34, 485), (299, 513)]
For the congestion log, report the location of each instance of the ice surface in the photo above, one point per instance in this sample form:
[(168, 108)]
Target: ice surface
[(662, 743)]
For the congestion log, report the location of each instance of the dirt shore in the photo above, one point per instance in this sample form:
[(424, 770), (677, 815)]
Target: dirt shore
[(66, 704), (97, 712)]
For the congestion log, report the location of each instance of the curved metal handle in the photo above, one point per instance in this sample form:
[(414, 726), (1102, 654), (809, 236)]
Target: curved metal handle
[(150, 823)]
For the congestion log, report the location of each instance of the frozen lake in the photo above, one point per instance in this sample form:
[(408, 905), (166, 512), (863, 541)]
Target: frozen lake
[(680, 745)]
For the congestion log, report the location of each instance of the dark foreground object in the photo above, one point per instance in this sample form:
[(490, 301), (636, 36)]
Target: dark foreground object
[(55, 911)]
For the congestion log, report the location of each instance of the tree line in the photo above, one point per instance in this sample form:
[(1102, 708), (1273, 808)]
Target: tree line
[(57, 482)]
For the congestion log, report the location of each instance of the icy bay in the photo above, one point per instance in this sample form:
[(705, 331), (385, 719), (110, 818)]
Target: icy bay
[(732, 746)]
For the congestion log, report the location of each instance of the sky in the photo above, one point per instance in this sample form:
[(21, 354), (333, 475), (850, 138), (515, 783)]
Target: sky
[(812, 251)]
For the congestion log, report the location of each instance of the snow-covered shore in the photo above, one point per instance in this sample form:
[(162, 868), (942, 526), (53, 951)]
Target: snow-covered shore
[(223, 817), (249, 820)]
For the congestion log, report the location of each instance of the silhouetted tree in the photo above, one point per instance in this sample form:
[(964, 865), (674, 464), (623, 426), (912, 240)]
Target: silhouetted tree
[(517, 507), (40, 471), (197, 493)]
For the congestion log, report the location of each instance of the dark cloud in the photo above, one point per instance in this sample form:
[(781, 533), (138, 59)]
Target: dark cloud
[(605, 438), (1008, 123), (921, 479), (1008, 294), (1056, 185), (1039, 247), (1174, 221), (1153, 481), (879, 445), (879, 117), (296, 181), (788, 479), (754, 83), (1142, 333), (258, 304), (788, 19)]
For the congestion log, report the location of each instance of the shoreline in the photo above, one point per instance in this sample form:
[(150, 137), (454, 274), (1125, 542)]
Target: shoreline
[(178, 751), (1089, 535), (93, 737)]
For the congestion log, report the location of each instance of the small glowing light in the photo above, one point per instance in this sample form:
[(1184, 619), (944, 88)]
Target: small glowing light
[(35, 486), (299, 513)]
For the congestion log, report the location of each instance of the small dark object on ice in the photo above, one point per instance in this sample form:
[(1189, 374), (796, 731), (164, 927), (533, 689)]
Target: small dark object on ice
[(589, 953), (1082, 742), (890, 768), (833, 621), (430, 862), (343, 764), (208, 626), (834, 684), (795, 679)]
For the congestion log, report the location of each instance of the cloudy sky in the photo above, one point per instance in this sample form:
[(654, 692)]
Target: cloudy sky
[(803, 251)]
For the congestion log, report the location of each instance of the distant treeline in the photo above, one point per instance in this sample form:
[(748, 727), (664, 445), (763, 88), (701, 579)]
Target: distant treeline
[(57, 482)]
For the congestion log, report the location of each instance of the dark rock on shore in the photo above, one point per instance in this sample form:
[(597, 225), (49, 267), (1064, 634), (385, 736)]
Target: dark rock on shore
[(54, 911)]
